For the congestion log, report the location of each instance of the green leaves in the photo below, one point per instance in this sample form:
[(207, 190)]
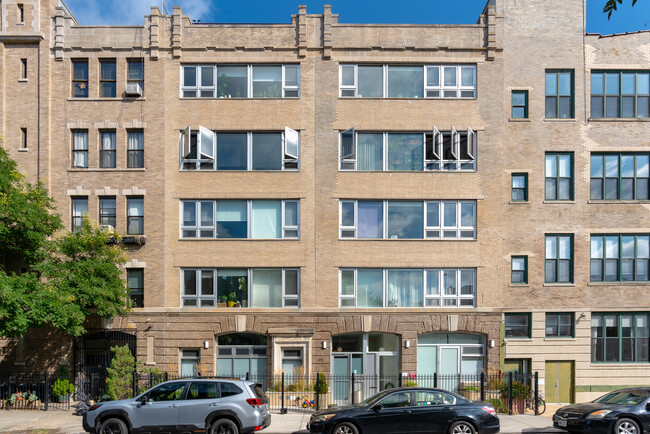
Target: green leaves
[(610, 6)]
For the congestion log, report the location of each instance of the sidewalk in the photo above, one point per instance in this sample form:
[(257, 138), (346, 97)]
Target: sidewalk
[(64, 422)]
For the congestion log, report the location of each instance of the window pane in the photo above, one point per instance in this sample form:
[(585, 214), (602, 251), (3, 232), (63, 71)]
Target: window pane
[(551, 83), (291, 75), (347, 213), (466, 214), (405, 288), (565, 83), (596, 166), (267, 81), (405, 82), (565, 165), (370, 81), (291, 213), (405, 220), (433, 277), (232, 81), (449, 214), (565, 247), (266, 219), (518, 98), (189, 76), (267, 288), (232, 285), (405, 152), (189, 213), (347, 75), (267, 151), (370, 151), (291, 282), (347, 282), (597, 82), (550, 272), (232, 219), (467, 76), (370, 224), (551, 166), (466, 282), (611, 165), (518, 264), (597, 107), (231, 151), (189, 282), (642, 165), (433, 214), (369, 288), (449, 75), (518, 181), (433, 76)]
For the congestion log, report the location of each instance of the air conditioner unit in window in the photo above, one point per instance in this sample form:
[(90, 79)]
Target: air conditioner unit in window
[(133, 89), (107, 228)]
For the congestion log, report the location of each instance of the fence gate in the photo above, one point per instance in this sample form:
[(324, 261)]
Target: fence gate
[(93, 355)]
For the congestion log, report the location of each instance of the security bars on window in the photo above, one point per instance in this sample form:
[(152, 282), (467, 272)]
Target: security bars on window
[(435, 151), (206, 150), (388, 219), (241, 219), (407, 81), (376, 287), (240, 81)]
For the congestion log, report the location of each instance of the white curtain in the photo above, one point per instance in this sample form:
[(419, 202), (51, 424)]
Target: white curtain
[(267, 288), (405, 288), (267, 217), (370, 151), (80, 146)]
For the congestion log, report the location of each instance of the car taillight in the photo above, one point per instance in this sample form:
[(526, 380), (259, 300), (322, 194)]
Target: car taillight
[(490, 410), (255, 402), (94, 407)]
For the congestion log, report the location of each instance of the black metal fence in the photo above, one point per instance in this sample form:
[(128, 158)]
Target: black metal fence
[(34, 392)]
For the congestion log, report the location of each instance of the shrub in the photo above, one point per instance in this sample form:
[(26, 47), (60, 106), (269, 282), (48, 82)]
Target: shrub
[(519, 390), (498, 405), (321, 384), (119, 381), (62, 386), (410, 383)]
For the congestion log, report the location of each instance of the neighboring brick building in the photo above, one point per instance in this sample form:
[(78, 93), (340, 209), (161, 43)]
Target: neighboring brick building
[(365, 198)]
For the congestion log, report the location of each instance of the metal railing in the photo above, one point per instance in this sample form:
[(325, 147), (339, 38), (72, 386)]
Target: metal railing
[(33, 392)]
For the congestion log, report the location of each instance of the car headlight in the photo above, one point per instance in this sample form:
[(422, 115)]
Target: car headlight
[(322, 417), (598, 415)]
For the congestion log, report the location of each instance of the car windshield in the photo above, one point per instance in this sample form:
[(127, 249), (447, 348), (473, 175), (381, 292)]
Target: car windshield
[(366, 402), (630, 397)]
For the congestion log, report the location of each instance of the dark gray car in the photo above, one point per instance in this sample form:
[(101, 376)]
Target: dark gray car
[(223, 406)]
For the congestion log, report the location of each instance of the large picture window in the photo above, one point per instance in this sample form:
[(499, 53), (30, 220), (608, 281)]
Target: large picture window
[(240, 81), (411, 152), (257, 219), (206, 150), (394, 219), (517, 325), (620, 337), (620, 176), (241, 287), (438, 287), (407, 81), (620, 258), (620, 94)]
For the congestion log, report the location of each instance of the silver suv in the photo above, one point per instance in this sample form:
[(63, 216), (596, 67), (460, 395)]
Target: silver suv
[(212, 405)]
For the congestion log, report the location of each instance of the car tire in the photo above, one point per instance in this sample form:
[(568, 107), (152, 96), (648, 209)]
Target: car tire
[(224, 426), (626, 426), (345, 428), (462, 427), (113, 426)]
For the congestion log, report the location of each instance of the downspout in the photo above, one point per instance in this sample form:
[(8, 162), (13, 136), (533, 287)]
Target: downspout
[(38, 114)]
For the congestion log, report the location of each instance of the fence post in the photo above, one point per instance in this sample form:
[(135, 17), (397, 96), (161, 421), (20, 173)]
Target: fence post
[(46, 393), (166, 376), (282, 409), (482, 386), (317, 390), (135, 384), (352, 378), (536, 393), (248, 374), (435, 379), (510, 393)]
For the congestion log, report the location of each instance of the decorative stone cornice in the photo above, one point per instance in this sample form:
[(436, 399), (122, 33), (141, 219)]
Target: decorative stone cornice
[(134, 124), (107, 191), (134, 263), (79, 191), (105, 125), (134, 191)]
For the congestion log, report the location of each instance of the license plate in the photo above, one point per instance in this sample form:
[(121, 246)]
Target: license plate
[(561, 422)]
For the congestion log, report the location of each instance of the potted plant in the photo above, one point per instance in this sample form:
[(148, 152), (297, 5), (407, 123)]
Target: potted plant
[(62, 387), (232, 298), (322, 390), (519, 394)]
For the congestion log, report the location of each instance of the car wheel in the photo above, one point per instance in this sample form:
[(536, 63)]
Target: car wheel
[(113, 426), (224, 426), (461, 427), (346, 428), (626, 426)]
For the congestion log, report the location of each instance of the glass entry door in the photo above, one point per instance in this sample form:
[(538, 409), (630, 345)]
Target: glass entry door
[(340, 372), (449, 363)]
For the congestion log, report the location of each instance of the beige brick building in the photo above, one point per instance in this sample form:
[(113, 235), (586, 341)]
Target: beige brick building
[(352, 198)]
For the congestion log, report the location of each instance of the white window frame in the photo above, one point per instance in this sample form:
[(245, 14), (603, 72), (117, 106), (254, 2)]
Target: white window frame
[(348, 87), (441, 297), (249, 215), (285, 87), (285, 296), (458, 229), (286, 228)]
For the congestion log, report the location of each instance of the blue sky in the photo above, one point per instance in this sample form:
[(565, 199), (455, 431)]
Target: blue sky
[(626, 19)]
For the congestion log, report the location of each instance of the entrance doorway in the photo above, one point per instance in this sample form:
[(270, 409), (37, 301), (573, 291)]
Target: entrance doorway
[(559, 381)]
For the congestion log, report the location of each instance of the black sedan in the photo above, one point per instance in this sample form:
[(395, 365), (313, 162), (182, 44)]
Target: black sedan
[(408, 410), (625, 411)]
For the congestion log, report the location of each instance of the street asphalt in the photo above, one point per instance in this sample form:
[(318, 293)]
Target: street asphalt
[(60, 422)]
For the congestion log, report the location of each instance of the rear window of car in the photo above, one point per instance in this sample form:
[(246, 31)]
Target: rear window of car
[(229, 389)]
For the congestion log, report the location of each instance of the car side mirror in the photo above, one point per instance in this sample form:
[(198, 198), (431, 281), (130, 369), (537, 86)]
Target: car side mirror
[(143, 399), (647, 407), (377, 407)]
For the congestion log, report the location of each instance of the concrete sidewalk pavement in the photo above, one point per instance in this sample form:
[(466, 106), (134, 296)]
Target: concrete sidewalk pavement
[(64, 422)]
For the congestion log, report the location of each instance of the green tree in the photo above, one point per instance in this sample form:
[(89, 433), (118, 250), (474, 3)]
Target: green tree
[(610, 6), (50, 277), (119, 378)]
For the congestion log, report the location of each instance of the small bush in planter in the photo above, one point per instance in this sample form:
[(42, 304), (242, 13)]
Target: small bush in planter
[(62, 386), (519, 390), (320, 386)]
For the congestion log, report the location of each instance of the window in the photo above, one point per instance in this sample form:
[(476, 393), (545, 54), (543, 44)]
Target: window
[(21, 13), (239, 151), (519, 104), (80, 78), (107, 79), (135, 284), (407, 81), (23, 138), (519, 269), (135, 149), (269, 219), (620, 94), (240, 81), (107, 150), (517, 325), (79, 210), (107, 211), (620, 337), (239, 354), (620, 258), (80, 149), (203, 390), (229, 287), (135, 216), (135, 73), (559, 94), (519, 185), (167, 392), (292, 361), (620, 176), (559, 325), (559, 176), (375, 287), (446, 151), (190, 363), (389, 219), (23, 69), (558, 266)]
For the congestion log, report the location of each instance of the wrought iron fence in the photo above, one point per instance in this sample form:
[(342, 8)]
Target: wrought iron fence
[(34, 392)]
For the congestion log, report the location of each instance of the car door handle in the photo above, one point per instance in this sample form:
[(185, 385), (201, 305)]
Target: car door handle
[(173, 406), (213, 404), (407, 411)]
